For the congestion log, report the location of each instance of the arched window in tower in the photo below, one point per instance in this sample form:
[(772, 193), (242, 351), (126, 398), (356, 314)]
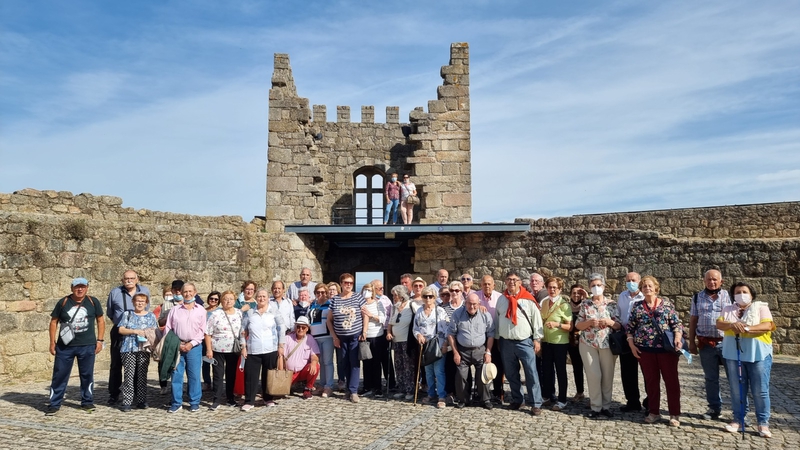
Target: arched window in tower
[(368, 195)]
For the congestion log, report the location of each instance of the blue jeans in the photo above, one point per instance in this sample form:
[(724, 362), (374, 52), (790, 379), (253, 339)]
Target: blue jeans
[(514, 353), (191, 362), (62, 367), (391, 205), (326, 361), (710, 359), (755, 375), (434, 375)]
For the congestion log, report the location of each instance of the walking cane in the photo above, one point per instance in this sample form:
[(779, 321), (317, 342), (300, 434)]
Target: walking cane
[(742, 399), (416, 383), (388, 370)]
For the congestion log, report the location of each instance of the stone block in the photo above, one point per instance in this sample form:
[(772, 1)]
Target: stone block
[(37, 364), (279, 155), (21, 306), (17, 343), (284, 184), (36, 322), (456, 199), (343, 114)]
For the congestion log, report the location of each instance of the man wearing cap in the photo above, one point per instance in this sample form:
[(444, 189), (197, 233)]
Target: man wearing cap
[(188, 321), (76, 339), (305, 282), (302, 355), (120, 300), (519, 327), (470, 334)]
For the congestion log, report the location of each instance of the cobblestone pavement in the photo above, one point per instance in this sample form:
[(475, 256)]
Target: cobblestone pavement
[(376, 423)]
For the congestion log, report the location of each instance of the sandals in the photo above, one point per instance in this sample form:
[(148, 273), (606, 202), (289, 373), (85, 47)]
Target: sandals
[(652, 418), (764, 432), (674, 421)]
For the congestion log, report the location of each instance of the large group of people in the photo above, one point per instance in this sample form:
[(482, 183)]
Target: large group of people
[(423, 339)]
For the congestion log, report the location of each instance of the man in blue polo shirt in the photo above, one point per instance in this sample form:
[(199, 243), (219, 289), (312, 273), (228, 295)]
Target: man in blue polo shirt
[(120, 300)]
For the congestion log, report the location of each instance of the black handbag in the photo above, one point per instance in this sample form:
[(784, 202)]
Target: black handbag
[(618, 342), (432, 351)]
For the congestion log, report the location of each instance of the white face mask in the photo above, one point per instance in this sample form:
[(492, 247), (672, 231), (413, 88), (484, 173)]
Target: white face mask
[(743, 299), (367, 294), (597, 291)]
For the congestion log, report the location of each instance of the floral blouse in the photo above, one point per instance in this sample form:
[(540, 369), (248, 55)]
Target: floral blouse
[(646, 325), (219, 329), (597, 337), (133, 321)]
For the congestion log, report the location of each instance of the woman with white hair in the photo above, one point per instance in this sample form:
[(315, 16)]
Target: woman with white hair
[(597, 319), (430, 322)]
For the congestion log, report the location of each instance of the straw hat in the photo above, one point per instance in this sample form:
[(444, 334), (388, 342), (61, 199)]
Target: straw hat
[(488, 373)]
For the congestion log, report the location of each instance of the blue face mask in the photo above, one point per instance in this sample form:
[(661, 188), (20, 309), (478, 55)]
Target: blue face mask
[(177, 299), (632, 286)]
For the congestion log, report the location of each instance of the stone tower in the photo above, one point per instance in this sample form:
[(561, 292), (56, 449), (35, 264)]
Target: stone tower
[(313, 163)]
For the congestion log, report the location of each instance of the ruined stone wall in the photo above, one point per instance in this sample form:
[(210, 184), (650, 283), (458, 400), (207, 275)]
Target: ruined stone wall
[(311, 161), (47, 238), (574, 247)]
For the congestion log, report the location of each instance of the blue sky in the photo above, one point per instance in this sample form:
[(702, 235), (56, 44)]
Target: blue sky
[(580, 108)]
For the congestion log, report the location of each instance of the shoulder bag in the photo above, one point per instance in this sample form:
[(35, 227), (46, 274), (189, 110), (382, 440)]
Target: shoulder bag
[(67, 334), (432, 351)]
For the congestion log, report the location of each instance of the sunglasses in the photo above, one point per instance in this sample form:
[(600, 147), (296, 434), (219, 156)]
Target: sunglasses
[(428, 296), (347, 282), (444, 294), (466, 279), (455, 290), (213, 299)]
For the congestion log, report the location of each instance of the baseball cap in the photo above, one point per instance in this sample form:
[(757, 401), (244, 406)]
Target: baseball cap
[(80, 281)]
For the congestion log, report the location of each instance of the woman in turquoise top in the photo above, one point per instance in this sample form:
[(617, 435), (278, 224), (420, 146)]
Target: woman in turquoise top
[(557, 320), (750, 323), (134, 327)]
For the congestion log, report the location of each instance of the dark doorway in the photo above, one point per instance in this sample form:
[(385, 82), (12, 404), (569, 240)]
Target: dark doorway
[(393, 258)]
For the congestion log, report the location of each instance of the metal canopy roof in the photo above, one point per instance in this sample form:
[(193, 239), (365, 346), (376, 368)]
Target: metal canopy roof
[(395, 235)]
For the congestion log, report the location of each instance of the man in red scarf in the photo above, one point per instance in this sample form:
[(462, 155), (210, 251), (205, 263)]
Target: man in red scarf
[(519, 328)]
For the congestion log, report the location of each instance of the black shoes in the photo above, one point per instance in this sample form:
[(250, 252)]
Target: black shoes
[(631, 408), (488, 405), (514, 406), (607, 413)]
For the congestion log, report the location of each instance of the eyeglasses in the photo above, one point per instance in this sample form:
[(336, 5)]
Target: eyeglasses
[(428, 296), (512, 280), (444, 294), (321, 292), (347, 282), (213, 299), (455, 291), (466, 279)]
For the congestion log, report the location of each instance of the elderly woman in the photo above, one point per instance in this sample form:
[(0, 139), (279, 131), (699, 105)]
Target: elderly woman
[(748, 328), (597, 318), (223, 328), (262, 347), (407, 189), (648, 320), (431, 321), (557, 320), (134, 327), (318, 317), (577, 294), (398, 333), (348, 325), (375, 315), (416, 290)]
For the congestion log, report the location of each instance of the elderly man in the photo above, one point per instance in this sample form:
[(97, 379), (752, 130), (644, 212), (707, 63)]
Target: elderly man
[(442, 276), (302, 355), (466, 280), (706, 339), (489, 297), (188, 321), (629, 364), (537, 287), (470, 335), (77, 314), (120, 300), (305, 282), (285, 306), (519, 328), (405, 280), (387, 365)]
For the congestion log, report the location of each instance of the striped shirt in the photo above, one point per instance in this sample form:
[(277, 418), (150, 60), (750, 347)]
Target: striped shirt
[(346, 313), (707, 310)]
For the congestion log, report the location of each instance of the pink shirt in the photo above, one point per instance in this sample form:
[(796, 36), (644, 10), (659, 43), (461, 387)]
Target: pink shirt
[(491, 302), (302, 355), (188, 324)]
